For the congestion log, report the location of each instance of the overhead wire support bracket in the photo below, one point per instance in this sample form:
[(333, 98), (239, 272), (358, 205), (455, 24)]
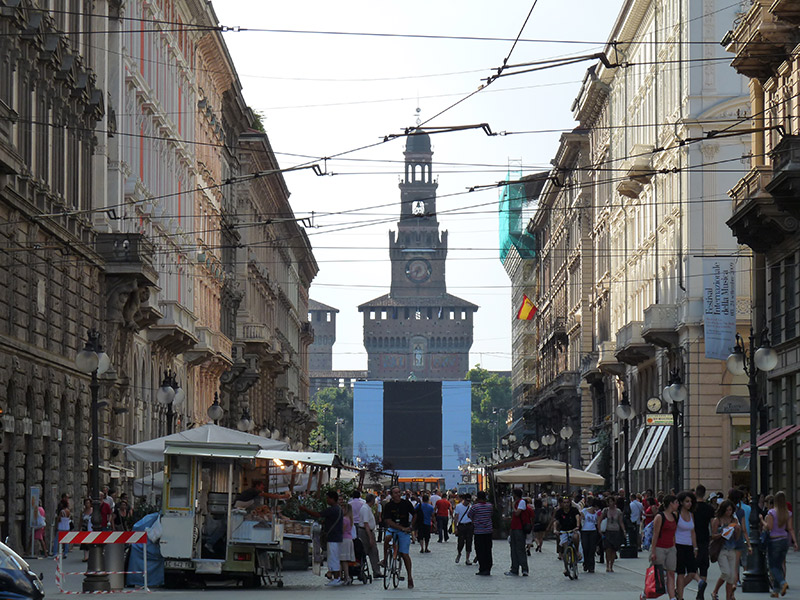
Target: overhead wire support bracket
[(408, 131), (541, 65)]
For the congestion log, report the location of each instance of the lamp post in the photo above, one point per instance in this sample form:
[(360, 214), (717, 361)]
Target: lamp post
[(93, 360), (170, 394), (548, 439), (749, 361), (626, 414), (675, 395), (565, 434), (339, 421), (215, 412)]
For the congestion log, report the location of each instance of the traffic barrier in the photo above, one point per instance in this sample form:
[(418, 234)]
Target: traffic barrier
[(100, 537)]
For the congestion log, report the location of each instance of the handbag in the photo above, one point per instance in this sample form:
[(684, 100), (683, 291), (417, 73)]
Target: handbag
[(714, 548), (40, 521), (654, 582), (604, 522)]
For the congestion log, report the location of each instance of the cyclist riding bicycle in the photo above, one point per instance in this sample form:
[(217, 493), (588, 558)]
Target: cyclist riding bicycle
[(399, 517), (566, 524)]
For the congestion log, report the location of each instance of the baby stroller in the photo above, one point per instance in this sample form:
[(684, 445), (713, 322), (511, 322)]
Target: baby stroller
[(359, 569)]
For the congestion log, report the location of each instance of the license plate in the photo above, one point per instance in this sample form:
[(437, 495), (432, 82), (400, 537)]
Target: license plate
[(179, 564)]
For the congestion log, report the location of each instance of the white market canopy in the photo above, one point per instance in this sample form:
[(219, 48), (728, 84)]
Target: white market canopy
[(548, 471), (153, 450)]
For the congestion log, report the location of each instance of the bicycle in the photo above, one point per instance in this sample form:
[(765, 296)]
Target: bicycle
[(569, 554), (392, 560)]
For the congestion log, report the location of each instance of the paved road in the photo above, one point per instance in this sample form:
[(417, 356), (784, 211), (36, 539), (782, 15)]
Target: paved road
[(437, 576)]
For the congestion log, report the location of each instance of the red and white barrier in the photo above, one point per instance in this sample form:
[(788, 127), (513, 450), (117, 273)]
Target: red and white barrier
[(100, 537)]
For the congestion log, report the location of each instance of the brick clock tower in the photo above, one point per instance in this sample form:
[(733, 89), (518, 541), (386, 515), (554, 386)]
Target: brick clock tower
[(418, 330)]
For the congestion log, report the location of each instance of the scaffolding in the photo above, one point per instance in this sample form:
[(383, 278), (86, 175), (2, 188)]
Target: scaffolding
[(516, 209)]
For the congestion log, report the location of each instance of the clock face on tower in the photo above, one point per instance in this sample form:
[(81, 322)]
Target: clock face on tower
[(418, 270)]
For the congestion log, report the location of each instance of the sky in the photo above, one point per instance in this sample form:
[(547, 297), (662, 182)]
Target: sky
[(329, 94)]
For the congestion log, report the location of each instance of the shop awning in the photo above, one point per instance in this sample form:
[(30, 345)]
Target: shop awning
[(593, 464), (633, 448), (656, 436), (767, 440)]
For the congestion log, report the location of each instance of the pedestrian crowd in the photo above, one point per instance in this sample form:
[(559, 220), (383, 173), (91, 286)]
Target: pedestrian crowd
[(682, 534), (116, 514)]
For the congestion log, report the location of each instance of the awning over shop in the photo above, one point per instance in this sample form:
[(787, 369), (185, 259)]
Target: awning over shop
[(633, 448), (593, 464), (656, 436), (767, 440)]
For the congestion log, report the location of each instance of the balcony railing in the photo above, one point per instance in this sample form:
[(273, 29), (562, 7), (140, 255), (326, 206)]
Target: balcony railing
[(176, 330), (127, 254), (761, 42), (660, 323), (786, 175), (631, 346)]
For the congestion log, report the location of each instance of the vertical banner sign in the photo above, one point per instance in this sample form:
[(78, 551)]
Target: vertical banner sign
[(719, 306)]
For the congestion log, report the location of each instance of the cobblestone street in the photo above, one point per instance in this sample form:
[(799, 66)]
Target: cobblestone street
[(437, 576)]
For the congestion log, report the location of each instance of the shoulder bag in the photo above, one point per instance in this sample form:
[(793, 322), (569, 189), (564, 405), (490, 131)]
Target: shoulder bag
[(714, 548), (323, 535), (604, 522)]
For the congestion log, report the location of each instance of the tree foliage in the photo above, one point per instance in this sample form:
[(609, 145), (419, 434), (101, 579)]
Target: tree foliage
[(330, 404), (490, 393)]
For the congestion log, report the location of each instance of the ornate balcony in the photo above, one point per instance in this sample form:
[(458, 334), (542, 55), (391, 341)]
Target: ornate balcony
[(607, 359), (176, 331), (631, 346), (756, 220), (785, 184), (660, 323), (127, 254), (786, 10), (211, 346), (762, 41)]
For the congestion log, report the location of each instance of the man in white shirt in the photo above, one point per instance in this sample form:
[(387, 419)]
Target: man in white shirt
[(435, 497), (464, 528), (366, 533), (357, 503)]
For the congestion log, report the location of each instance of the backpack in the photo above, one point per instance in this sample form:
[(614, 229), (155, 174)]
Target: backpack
[(647, 535)]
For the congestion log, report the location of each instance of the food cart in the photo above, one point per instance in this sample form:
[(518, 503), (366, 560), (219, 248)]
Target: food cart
[(205, 535)]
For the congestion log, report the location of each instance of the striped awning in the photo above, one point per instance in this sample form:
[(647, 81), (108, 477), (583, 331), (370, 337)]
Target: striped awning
[(656, 436), (767, 440)]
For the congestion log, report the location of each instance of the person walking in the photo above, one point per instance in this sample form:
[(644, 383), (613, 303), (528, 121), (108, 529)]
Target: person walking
[(464, 529), (635, 515), (662, 550), (726, 526), (590, 533), (38, 532), (86, 525), (703, 515), (366, 531), (62, 524), (540, 523), (480, 514), (614, 534), (516, 540), (347, 553), (424, 513), (443, 511), (781, 532), (685, 543)]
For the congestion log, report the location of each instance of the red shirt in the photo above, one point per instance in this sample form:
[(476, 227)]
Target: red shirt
[(518, 520), (105, 514), (666, 537), (442, 508)]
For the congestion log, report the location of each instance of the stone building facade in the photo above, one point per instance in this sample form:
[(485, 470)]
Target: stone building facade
[(118, 153), (644, 180), (766, 214), (418, 330)]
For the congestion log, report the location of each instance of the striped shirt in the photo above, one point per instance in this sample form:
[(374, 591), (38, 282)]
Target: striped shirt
[(481, 515)]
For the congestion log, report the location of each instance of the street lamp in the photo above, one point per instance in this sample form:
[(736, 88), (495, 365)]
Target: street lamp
[(548, 439), (750, 361), (215, 412), (565, 434), (626, 414), (675, 395), (93, 360), (245, 423), (339, 421), (170, 394)]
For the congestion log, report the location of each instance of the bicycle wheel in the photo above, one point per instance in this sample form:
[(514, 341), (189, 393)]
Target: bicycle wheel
[(574, 564), (387, 570), (569, 560)]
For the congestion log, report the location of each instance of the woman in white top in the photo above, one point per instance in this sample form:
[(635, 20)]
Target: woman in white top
[(686, 543), (590, 534)]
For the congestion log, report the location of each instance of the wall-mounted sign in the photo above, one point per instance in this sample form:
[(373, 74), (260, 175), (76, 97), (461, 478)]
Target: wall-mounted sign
[(658, 419), (733, 405)]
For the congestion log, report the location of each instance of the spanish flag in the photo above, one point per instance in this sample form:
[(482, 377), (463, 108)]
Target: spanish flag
[(527, 310)]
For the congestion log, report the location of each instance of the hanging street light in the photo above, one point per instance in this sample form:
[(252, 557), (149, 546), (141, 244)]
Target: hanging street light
[(215, 412)]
